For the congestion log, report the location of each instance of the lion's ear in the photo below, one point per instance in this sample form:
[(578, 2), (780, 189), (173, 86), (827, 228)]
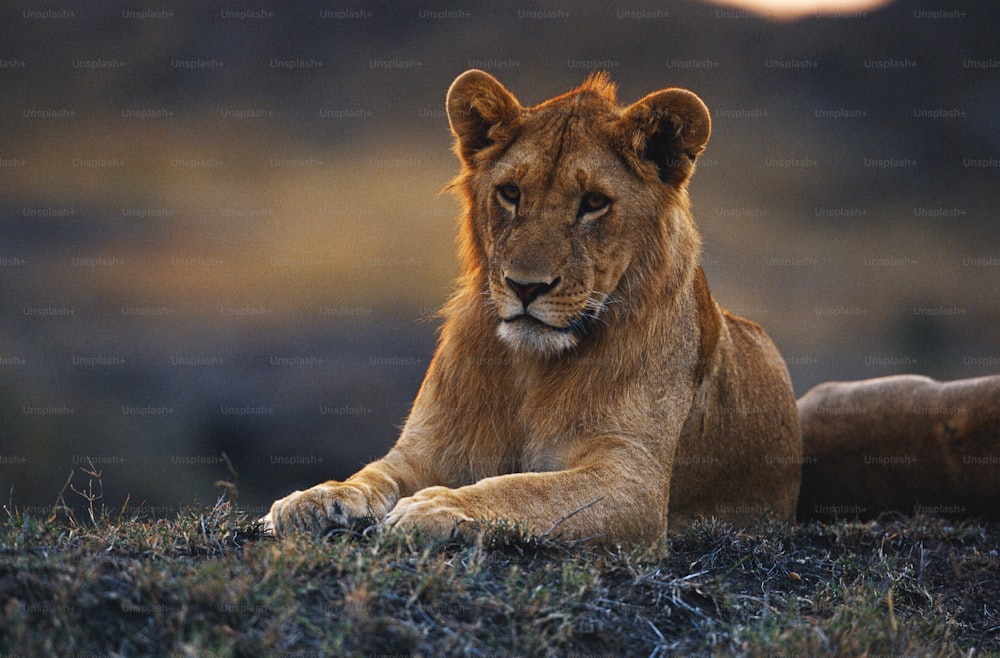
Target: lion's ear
[(669, 128), (481, 113)]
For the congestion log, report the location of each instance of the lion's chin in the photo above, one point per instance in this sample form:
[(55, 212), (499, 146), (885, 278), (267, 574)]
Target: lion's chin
[(525, 333)]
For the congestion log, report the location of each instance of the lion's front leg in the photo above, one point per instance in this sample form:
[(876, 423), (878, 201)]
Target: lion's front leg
[(594, 504)]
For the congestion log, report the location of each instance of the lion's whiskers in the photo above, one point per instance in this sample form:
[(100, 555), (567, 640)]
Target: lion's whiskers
[(596, 303)]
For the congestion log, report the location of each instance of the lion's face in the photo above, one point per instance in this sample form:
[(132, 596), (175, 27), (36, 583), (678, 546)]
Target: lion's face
[(568, 199), (554, 231)]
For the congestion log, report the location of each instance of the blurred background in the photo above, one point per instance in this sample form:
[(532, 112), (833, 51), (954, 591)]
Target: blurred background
[(222, 227)]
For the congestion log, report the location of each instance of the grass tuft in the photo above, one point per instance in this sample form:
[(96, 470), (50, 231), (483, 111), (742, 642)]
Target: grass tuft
[(208, 582)]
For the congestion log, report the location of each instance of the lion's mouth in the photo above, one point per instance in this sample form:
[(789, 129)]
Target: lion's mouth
[(576, 328), (527, 332), (573, 327)]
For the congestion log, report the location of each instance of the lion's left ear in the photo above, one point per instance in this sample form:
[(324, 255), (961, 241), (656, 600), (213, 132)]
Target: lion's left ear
[(669, 128), (481, 113)]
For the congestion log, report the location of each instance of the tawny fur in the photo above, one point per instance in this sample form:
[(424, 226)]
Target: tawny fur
[(903, 443), (620, 398)]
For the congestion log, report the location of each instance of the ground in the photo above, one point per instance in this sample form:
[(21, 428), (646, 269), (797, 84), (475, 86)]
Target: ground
[(207, 583)]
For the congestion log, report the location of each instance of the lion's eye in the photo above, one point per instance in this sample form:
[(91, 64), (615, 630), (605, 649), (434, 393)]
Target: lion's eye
[(592, 202), (510, 193)]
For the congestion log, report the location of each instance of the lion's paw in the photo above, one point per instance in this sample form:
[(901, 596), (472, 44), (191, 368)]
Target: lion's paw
[(317, 510), (436, 512)]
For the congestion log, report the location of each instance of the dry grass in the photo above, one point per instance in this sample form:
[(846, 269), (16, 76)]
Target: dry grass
[(208, 583)]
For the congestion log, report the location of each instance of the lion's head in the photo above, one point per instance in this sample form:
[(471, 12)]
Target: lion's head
[(576, 205)]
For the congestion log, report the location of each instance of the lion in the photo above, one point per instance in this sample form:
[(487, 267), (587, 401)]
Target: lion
[(903, 443), (585, 383)]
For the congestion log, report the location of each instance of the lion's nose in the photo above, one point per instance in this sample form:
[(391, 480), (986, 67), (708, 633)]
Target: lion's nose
[(529, 292)]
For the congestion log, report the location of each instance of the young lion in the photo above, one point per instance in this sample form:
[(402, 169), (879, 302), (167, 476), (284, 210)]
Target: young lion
[(585, 382)]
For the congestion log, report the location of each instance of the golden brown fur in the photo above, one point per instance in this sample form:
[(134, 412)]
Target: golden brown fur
[(903, 443), (585, 383)]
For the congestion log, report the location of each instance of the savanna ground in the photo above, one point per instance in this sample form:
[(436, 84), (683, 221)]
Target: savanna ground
[(208, 583)]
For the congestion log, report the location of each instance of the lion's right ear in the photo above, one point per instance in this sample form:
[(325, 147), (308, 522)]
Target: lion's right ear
[(481, 113), (668, 128)]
